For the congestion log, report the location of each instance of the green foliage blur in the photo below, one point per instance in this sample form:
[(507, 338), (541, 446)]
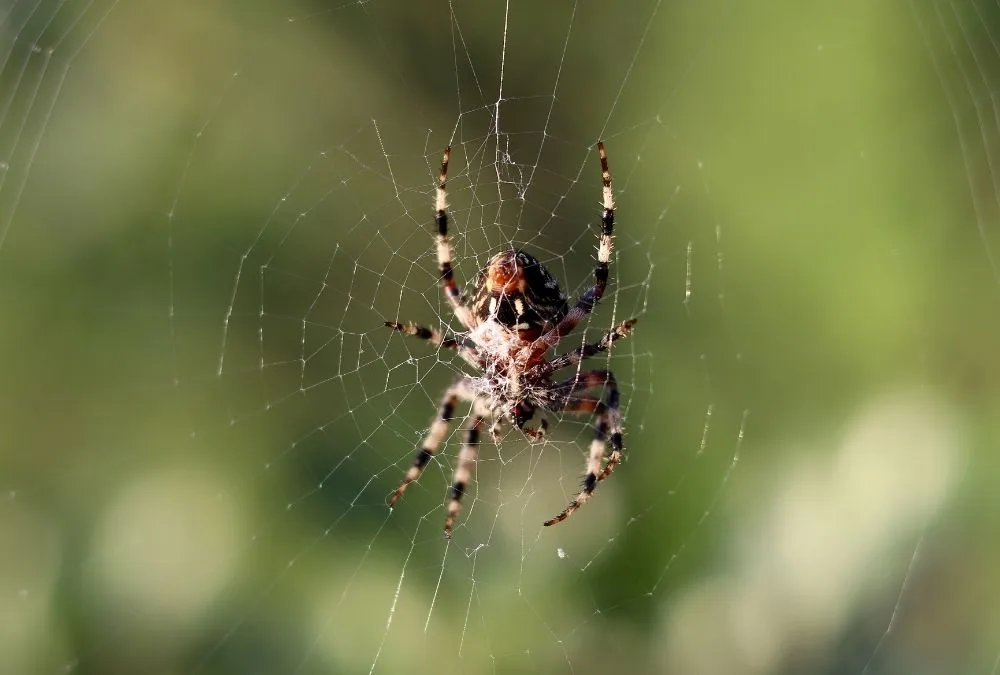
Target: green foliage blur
[(207, 210)]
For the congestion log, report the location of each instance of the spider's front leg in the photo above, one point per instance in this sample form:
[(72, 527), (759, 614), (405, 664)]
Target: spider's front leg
[(463, 471), (460, 390), (438, 430), (608, 420)]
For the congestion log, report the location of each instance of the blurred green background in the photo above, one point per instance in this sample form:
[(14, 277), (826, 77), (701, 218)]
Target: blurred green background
[(207, 210)]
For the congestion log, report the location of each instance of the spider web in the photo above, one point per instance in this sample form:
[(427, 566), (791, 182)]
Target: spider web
[(207, 212)]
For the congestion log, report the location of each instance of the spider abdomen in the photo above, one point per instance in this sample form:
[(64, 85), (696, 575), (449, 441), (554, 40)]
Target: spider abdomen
[(516, 291)]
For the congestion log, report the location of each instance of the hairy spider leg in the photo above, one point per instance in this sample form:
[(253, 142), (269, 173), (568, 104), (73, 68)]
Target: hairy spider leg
[(438, 430), (605, 379), (461, 344), (447, 274), (463, 472), (608, 420), (585, 304), (432, 335), (586, 351)]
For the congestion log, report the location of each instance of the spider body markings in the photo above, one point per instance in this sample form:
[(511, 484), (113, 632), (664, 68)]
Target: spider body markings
[(516, 315)]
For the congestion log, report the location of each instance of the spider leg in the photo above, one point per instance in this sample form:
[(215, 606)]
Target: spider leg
[(463, 471), (447, 274), (439, 427), (608, 420), (585, 304), (465, 347), (432, 335), (586, 351), (593, 379)]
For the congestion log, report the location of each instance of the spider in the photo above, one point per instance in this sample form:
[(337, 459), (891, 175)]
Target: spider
[(516, 315)]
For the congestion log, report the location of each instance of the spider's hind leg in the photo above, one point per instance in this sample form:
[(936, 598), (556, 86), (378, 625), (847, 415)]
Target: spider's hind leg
[(445, 270), (585, 305)]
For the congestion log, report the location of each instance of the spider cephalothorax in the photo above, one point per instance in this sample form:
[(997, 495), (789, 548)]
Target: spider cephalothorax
[(517, 314)]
